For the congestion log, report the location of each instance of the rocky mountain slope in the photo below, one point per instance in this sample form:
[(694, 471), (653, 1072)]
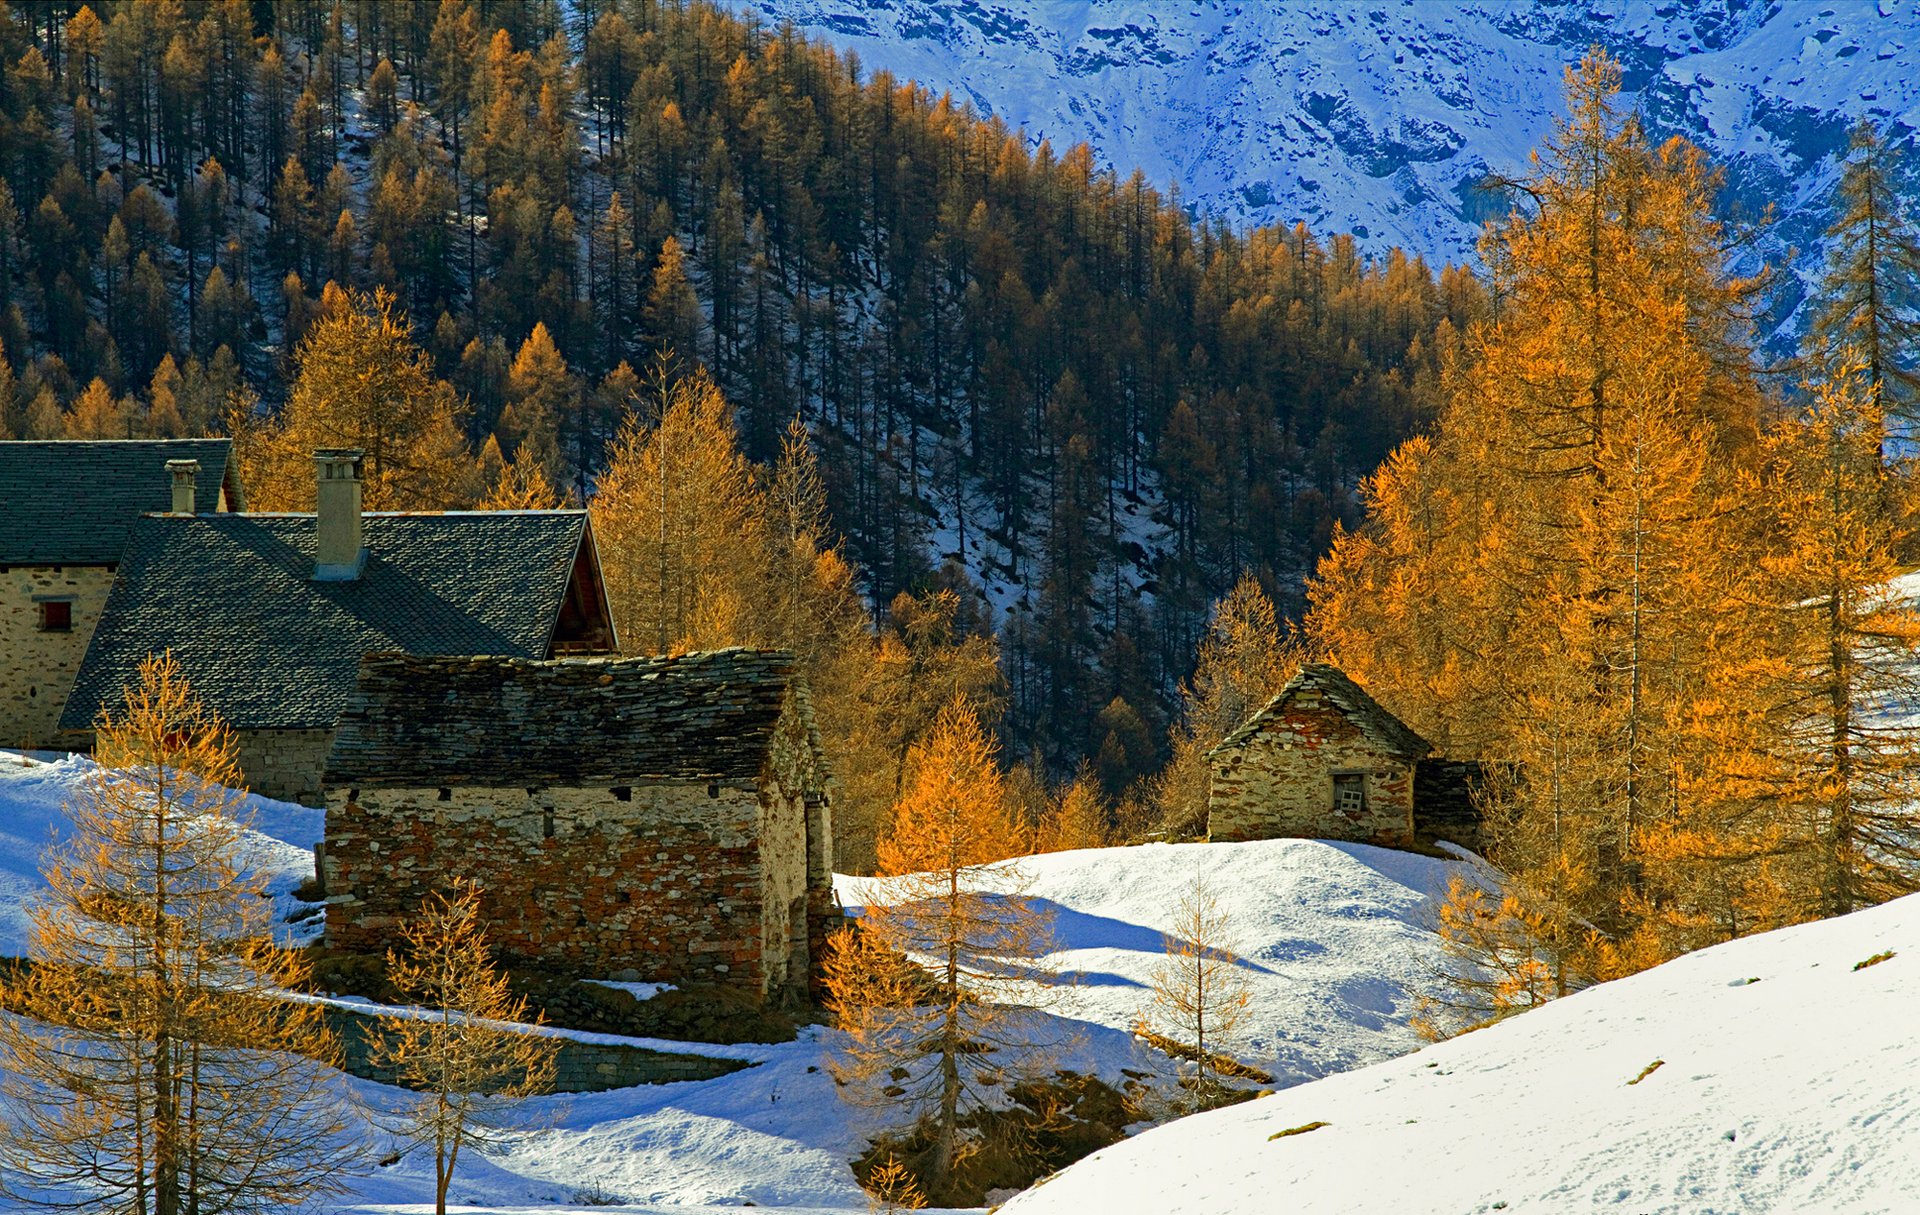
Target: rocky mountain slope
[(1380, 118)]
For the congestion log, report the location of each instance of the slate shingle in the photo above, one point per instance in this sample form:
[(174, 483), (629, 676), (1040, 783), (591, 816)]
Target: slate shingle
[(502, 722), (72, 502), (1381, 727), (267, 647)]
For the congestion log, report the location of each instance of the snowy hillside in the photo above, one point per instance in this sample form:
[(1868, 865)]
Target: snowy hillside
[(1331, 935), (1375, 118), (1773, 1074)]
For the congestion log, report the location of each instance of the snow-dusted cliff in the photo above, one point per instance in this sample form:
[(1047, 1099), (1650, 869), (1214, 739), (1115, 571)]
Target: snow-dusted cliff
[(1377, 116)]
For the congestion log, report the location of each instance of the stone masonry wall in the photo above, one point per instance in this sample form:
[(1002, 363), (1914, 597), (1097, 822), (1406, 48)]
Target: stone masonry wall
[(666, 883), (37, 669), (1279, 783), (285, 764), (579, 1067)]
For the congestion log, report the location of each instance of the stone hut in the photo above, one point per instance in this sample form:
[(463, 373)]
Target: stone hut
[(661, 819), (268, 615), (1324, 760), (65, 512)]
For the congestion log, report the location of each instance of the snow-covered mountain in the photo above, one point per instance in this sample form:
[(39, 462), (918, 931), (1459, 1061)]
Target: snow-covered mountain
[(1378, 118), (1772, 1074)]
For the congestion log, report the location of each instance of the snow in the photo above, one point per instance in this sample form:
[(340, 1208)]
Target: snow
[(1377, 119), (33, 786), (639, 991), (1784, 1085), (1332, 936)]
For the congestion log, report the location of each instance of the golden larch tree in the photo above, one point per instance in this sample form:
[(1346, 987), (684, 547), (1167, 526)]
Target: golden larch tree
[(360, 381), (1200, 998), (460, 1053), (154, 1067), (936, 989)]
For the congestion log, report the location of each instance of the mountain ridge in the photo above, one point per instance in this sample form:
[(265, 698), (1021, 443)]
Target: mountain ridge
[(1381, 119)]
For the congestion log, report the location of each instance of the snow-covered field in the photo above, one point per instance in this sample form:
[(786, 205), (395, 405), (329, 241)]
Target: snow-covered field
[(1331, 937), (1782, 1080)]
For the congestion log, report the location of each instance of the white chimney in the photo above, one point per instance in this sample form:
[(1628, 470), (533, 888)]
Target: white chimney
[(337, 554), (183, 473)]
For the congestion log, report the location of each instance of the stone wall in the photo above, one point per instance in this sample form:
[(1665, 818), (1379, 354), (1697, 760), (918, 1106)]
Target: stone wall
[(1280, 781), (37, 669), (580, 1067), (285, 764), (663, 881)]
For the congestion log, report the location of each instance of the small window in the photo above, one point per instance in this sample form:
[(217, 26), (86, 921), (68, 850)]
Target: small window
[(623, 793), (1349, 792), (56, 616)]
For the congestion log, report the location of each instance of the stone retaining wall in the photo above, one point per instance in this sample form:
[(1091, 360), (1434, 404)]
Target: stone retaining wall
[(581, 1067)]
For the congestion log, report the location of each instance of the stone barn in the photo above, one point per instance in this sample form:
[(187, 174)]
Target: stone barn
[(66, 509), (1324, 760), (268, 615), (661, 819)]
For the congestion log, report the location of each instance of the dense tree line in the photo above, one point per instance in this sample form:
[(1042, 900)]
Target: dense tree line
[(1006, 357), (1625, 564)]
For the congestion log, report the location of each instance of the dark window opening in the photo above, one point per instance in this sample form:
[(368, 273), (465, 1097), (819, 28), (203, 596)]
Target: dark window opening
[(56, 616), (446, 794), (623, 793), (546, 823), (713, 790), (1349, 792)]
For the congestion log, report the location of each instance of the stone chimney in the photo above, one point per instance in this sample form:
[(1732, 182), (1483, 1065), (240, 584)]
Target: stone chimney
[(183, 473), (337, 554)]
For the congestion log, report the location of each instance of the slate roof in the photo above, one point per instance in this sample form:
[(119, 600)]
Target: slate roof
[(503, 722), (1380, 727), (71, 502), (265, 646)]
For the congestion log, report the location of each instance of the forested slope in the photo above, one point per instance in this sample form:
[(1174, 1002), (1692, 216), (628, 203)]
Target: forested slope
[(1101, 409)]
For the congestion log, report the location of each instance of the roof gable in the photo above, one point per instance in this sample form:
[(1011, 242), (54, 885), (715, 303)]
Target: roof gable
[(504, 722), (72, 502), (267, 647), (1378, 726)]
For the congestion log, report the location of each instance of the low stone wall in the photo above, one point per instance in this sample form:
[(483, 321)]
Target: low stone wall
[(285, 765), (37, 668), (581, 1067)]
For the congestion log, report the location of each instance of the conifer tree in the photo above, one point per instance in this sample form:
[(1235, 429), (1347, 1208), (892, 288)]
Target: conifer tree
[(924, 986), (680, 524), (361, 382), (1823, 784), (1200, 999), (542, 416), (1576, 522), (465, 1068), (1244, 659), (1869, 299), (154, 1068)]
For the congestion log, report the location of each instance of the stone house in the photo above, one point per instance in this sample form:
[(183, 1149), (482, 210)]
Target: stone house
[(268, 615), (661, 819), (65, 512), (1324, 760)]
